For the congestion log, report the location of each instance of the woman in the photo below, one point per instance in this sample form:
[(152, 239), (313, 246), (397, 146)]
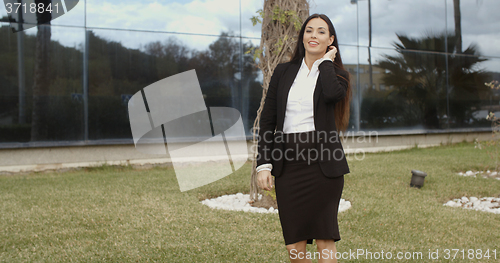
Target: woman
[(307, 104)]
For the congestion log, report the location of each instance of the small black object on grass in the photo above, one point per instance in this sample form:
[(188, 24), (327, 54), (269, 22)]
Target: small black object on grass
[(417, 178)]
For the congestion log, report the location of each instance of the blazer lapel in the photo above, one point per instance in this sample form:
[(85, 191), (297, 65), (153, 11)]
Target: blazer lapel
[(289, 77), (317, 91)]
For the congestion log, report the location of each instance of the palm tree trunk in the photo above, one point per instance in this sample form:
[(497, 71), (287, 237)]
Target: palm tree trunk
[(275, 32), (458, 25)]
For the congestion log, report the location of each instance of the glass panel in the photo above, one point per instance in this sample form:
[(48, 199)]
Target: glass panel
[(117, 71), (470, 99), (55, 112), (479, 24), (251, 88), (349, 57), (407, 90), (414, 19), (343, 16), (75, 15)]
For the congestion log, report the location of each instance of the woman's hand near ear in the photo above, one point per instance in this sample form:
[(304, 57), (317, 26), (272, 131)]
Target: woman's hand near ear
[(332, 52)]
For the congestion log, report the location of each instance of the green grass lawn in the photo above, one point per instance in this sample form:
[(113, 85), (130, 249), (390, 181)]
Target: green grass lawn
[(120, 214)]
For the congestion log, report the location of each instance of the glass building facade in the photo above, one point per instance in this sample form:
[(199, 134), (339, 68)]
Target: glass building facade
[(416, 66)]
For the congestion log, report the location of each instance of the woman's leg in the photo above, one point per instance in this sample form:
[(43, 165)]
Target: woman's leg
[(327, 246), (297, 252)]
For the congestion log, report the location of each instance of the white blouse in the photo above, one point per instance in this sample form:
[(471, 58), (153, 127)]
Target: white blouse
[(299, 114)]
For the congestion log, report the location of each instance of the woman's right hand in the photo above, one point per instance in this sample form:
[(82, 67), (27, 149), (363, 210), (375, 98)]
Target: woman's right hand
[(265, 180), (331, 53)]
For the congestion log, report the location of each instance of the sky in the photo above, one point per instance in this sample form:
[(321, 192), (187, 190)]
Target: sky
[(208, 18)]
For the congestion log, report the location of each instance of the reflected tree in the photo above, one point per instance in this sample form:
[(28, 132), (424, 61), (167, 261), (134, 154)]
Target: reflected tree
[(221, 79), (171, 56), (217, 68), (114, 70), (39, 118), (419, 77)]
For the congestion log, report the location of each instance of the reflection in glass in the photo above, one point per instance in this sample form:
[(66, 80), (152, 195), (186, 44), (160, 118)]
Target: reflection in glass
[(116, 72), (470, 98), (476, 22), (57, 103), (419, 78), (414, 18), (428, 90)]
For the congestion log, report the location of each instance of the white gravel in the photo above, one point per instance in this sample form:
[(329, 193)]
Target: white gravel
[(240, 202), (486, 204), (487, 174)]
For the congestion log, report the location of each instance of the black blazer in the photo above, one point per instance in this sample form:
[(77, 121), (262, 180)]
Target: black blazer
[(330, 89)]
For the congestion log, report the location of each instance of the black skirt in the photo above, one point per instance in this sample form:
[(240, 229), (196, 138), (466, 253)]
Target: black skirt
[(308, 201)]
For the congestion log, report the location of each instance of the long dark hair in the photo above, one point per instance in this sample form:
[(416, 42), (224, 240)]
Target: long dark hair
[(342, 108)]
